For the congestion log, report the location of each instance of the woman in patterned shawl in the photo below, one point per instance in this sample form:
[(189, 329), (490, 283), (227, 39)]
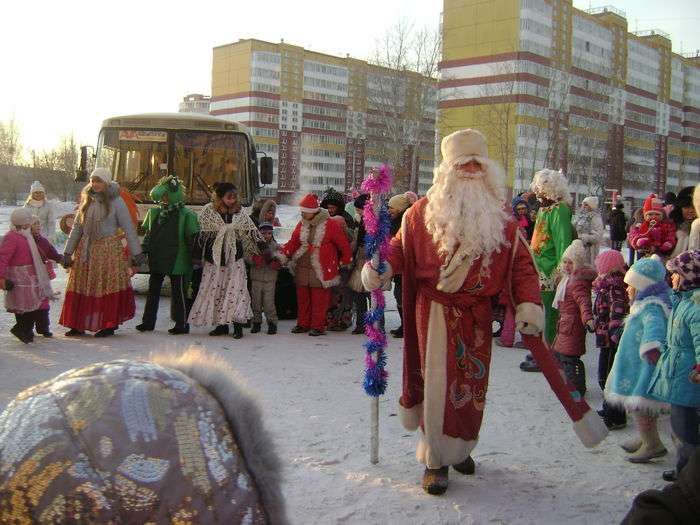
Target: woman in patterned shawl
[(227, 236)]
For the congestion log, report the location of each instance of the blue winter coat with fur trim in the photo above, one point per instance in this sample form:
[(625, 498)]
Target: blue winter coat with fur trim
[(671, 380), (645, 328)]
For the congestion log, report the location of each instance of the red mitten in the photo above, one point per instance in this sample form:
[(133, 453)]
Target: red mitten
[(666, 246), (643, 242), (276, 265), (652, 355), (258, 260)]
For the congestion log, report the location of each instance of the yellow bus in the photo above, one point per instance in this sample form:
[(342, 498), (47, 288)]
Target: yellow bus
[(199, 149)]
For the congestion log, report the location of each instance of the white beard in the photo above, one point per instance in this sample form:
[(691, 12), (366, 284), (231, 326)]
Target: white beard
[(465, 214)]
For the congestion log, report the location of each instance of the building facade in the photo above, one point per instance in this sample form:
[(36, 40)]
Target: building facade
[(195, 103), (554, 86), (326, 120)]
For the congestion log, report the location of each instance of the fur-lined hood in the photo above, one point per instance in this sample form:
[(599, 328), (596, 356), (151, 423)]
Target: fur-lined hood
[(268, 205)]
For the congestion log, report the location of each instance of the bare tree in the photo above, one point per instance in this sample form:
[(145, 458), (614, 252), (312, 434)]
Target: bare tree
[(10, 143), (402, 97)]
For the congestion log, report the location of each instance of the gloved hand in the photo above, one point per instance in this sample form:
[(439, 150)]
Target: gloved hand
[(666, 246), (643, 242), (138, 260), (371, 278), (258, 260), (67, 260), (526, 328), (652, 356), (590, 326)]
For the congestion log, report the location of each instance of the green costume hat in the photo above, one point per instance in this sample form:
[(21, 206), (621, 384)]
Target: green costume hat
[(170, 185)]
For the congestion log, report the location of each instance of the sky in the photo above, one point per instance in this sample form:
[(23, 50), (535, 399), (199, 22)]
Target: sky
[(67, 65)]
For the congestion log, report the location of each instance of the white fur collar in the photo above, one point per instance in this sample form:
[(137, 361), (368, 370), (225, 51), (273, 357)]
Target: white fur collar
[(639, 306)]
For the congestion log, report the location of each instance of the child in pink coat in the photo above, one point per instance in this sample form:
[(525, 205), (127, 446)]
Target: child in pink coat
[(48, 254), (573, 300), (23, 275), (656, 234)]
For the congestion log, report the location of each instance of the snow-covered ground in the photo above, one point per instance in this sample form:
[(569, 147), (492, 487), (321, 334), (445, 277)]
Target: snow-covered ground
[(530, 466)]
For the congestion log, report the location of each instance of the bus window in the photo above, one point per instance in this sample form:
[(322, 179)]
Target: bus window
[(203, 158), (134, 156)]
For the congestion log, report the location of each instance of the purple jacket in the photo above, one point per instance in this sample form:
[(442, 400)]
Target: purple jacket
[(574, 311), (46, 249), (610, 308)]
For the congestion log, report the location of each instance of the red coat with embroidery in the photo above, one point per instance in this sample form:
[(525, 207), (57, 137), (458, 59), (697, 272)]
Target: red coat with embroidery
[(653, 237), (329, 249)]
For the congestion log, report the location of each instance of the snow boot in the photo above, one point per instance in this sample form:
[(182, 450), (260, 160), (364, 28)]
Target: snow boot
[(180, 328), (651, 445), (271, 328), (466, 467), (20, 334), (435, 480), (42, 323), (299, 330), (237, 330), (530, 366), (221, 329), (105, 332), (255, 328)]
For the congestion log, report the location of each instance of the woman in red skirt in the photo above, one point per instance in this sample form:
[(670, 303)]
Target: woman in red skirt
[(99, 296)]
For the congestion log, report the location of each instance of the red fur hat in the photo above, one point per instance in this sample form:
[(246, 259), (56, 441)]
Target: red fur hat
[(309, 204)]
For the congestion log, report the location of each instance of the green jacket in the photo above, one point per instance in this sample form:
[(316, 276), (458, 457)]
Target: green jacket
[(187, 226), (551, 237)]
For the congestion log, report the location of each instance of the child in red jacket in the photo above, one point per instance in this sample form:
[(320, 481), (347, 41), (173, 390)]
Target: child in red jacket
[(656, 234), (316, 251), (573, 300)]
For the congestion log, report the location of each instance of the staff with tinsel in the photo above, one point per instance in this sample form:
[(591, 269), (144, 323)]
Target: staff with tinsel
[(377, 226)]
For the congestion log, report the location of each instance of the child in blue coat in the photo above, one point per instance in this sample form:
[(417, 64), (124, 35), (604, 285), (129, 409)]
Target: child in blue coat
[(677, 376), (643, 337)]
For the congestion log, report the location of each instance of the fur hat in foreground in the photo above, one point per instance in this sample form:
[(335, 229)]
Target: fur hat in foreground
[(575, 252), (176, 439), (459, 146)]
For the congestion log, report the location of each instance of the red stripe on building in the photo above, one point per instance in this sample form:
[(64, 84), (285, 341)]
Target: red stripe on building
[(675, 135), (589, 75), (258, 124), (501, 57), (691, 109), (677, 105), (691, 124), (677, 120), (243, 109), (243, 94), (595, 115), (640, 109), (688, 138), (638, 125), (575, 90), (502, 99), (493, 79), (640, 92)]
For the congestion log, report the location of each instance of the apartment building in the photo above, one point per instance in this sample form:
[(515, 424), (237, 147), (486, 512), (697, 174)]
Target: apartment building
[(195, 103), (325, 120), (554, 86)]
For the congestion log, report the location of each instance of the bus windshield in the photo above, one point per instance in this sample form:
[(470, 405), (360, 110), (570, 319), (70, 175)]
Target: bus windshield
[(198, 158)]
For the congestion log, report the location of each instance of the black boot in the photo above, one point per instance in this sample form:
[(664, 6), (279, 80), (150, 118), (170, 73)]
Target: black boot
[(398, 332), (105, 332), (41, 322), (19, 330), (180, 328), (237, 330), (574, 370), (145, 327), (466, 467), (222, 329), (299, 330), (255, 328), (74, 333), (435, 480), (271, 328)]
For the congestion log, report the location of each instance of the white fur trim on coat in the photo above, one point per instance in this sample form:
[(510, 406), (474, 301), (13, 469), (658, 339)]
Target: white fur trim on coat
[(637, 280), (410, 417), (649, 345), (637, 307), (436, 449), (532, 314), (315, 254), (245, 419), (590, 429), (635, 403)]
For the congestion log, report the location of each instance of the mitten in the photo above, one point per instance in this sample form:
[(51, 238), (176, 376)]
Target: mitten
[(652, 355), (666, 246), (643, 242), (258, 260)]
